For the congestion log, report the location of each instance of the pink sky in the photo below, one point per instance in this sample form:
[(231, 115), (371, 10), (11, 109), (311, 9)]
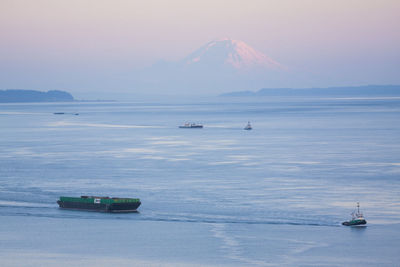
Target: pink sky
[(67, 38)]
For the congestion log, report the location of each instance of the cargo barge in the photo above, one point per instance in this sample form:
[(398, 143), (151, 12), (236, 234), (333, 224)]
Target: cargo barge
[(102, 204)]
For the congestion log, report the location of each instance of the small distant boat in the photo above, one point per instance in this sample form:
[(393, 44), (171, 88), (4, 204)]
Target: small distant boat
[(248, 126), (357, 218), (191, 125), (62, 113)]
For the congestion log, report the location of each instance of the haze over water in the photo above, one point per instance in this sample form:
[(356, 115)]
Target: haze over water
[(213, 196), (110, 50)]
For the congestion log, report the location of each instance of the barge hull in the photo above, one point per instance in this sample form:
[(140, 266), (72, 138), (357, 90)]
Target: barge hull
[(114, 207)]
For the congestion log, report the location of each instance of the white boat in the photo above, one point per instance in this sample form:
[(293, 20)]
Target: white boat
[(248, 126)]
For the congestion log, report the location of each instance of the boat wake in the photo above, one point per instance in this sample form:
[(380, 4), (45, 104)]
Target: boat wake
[(5, 203), (11, 208)]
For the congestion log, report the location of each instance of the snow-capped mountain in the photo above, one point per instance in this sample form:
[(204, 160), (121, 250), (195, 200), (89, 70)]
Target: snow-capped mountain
[(226, 52), (218, 66)]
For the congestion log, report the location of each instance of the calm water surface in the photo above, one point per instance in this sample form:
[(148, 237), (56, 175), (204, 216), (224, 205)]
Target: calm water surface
[(305, 164)]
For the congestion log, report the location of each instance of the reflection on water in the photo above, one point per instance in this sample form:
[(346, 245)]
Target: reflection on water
[(358, 228)]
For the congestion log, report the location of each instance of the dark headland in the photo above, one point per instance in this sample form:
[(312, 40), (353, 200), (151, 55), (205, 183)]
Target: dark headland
[(345, 91), (25, 96)]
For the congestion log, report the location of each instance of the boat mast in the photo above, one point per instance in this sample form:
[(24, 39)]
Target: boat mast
[(358, 207)]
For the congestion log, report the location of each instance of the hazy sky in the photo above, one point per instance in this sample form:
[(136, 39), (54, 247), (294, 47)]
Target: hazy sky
[(88, 46)]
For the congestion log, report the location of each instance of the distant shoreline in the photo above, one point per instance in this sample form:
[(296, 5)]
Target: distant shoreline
[(345, 91), (36, 96), (29, 96)]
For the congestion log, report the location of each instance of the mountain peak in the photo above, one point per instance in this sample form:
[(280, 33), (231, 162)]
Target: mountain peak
[(229, 52)]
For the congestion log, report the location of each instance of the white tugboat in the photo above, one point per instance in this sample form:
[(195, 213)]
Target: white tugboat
[(248, 126), (357, 218)]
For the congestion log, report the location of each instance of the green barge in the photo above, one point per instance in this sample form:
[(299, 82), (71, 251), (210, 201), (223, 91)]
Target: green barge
[(102, 204)]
